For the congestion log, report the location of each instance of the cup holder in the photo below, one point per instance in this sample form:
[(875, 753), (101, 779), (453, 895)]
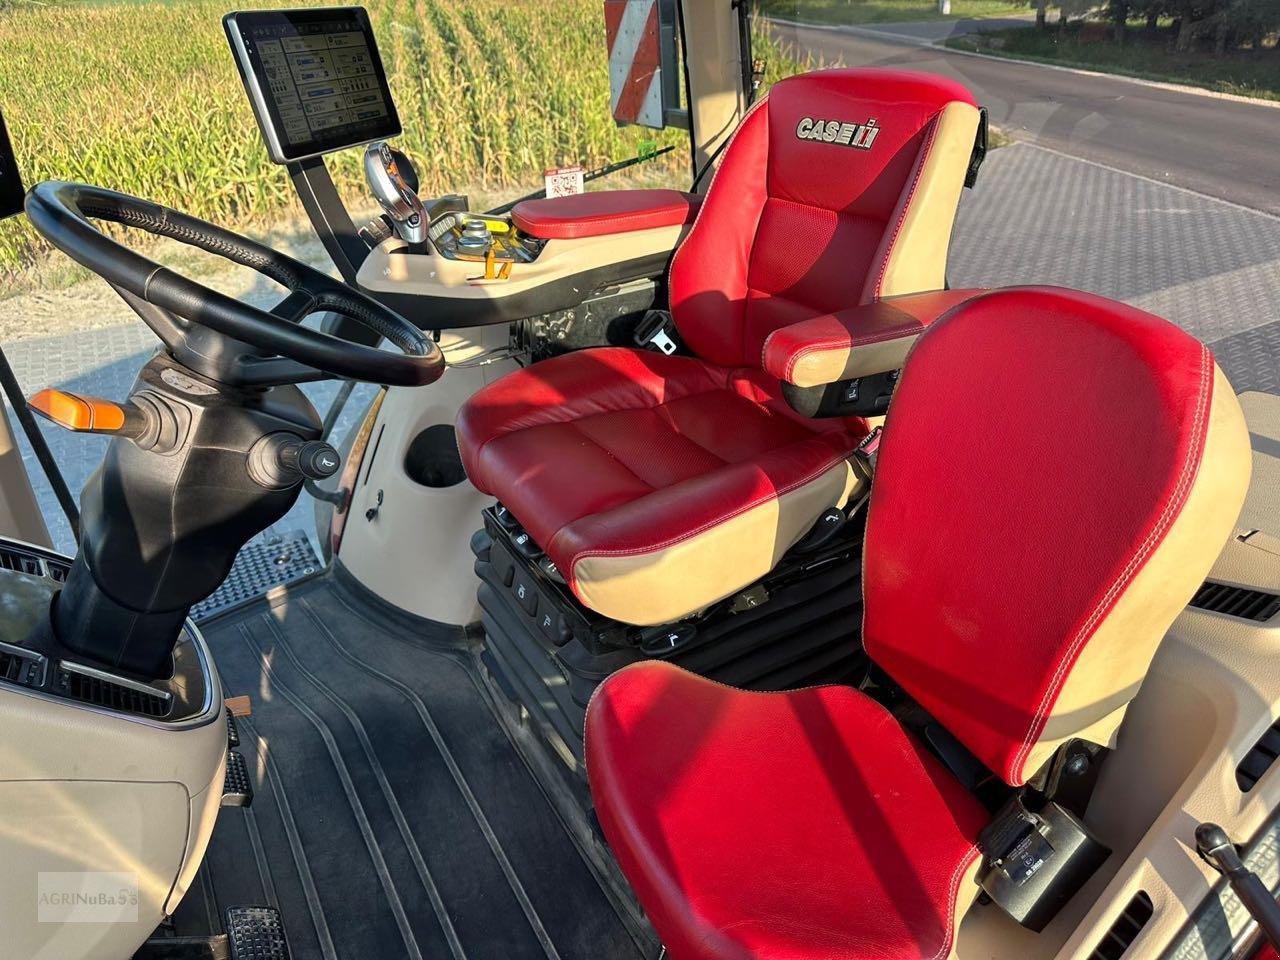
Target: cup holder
[(432, 459)]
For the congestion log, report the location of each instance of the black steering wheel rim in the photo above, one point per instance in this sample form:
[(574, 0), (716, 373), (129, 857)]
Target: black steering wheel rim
[(61, 213)]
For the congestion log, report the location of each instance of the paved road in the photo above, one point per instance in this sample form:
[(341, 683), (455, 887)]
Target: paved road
[(1222, 148), (931, 31)]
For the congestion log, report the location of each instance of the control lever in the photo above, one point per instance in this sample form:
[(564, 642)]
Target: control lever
[(1216, 847), (394, 185), (282, 459), (146, 418)]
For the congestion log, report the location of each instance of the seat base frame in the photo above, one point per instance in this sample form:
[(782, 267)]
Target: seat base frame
[(797, 626)]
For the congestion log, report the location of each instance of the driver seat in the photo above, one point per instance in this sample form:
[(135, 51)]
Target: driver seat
[(660, 484)]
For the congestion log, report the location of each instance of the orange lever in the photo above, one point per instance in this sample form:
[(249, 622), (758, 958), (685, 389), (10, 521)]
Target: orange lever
[(81, 414)]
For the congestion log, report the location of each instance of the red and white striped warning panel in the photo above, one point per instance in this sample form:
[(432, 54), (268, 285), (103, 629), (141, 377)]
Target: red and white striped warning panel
[(635, 61)]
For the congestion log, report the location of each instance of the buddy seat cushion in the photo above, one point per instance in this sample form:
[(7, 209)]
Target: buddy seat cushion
[(1018, 579)]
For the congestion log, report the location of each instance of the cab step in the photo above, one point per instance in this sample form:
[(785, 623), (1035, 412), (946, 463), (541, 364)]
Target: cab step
[(237, 788), (255, 933)]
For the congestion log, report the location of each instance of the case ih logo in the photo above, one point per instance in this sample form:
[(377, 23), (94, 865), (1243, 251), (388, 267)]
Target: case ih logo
[(860, 135)]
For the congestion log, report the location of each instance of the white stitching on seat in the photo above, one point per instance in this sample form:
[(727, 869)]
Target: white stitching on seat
[(1174, 505), (953, 893), (672, 541), (926, 152)]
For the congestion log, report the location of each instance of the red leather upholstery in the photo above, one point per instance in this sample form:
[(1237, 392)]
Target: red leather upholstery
[(1019, 574), (604, 212), (809, 824), (632, 465), (777, 825), (854, 330), (623, 450), (791, 228)]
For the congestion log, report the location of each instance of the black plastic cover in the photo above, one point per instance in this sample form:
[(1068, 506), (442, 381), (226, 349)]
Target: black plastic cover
[(1036, 861), (11, 188)]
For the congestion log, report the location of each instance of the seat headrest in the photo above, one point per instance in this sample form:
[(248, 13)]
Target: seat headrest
[(832, 133), (1059, 473)]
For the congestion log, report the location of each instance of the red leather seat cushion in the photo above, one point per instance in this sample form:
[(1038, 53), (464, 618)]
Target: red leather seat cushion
[(607, 211), (616, 449), (777, 825)]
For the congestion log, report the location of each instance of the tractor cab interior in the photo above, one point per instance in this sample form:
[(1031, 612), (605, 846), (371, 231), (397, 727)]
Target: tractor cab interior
[(707, 577)]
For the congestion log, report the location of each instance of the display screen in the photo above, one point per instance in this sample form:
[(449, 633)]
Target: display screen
[(315, 79), (11, 189)]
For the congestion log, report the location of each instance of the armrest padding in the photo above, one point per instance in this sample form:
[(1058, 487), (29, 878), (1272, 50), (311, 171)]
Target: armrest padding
[(871, 338)]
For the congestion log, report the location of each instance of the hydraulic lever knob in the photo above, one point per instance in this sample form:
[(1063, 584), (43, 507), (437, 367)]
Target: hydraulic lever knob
[(281, 460)]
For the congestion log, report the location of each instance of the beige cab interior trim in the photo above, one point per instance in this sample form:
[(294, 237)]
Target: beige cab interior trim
[(415, 553), (665, 584), (1109, 671), (86, 790), (389, 268), (20, 515), (914, 257), (1212, 691), (716, 98)]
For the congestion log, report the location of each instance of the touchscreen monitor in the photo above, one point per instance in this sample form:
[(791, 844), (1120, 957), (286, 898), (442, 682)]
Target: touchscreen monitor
[(314, 78)]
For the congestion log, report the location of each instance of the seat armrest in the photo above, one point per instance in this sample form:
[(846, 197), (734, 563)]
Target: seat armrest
[(860, 341), (604, 212)]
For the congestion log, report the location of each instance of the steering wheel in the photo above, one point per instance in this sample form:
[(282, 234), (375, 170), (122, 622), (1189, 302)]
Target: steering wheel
[(218, 336)]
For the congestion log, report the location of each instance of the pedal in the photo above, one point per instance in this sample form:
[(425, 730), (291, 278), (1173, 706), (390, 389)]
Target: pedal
[(237, 788), (184, 948), (255, 933), (233, 735)]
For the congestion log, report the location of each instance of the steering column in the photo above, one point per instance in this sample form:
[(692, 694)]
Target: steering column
[(215, 439)]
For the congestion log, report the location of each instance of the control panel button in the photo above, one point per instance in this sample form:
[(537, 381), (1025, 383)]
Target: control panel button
[(526, 595)]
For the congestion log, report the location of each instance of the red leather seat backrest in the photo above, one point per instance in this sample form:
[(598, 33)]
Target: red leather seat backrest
[(838, 187), (1058, 474)]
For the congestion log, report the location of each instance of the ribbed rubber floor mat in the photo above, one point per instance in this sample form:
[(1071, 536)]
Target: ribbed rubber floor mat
[(393, 817)]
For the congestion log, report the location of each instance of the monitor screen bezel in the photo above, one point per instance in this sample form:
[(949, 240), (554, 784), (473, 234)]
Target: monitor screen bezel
[(238, 26)]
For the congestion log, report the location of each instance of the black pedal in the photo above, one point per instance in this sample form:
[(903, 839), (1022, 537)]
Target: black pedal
[(184, 948), (233, 735), (237, 788), (256, 933)]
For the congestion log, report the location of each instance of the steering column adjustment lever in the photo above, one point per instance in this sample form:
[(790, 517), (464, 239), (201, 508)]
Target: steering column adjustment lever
[(283, 459)]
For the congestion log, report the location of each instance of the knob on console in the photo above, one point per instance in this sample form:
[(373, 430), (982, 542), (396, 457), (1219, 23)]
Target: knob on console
[(394, 183), (475, 237), (283, 459)]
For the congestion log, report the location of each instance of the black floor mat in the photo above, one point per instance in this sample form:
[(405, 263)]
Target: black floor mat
[(393, 815)]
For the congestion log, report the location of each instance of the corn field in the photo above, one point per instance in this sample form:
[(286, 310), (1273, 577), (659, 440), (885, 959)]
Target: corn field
[(144, 97)]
